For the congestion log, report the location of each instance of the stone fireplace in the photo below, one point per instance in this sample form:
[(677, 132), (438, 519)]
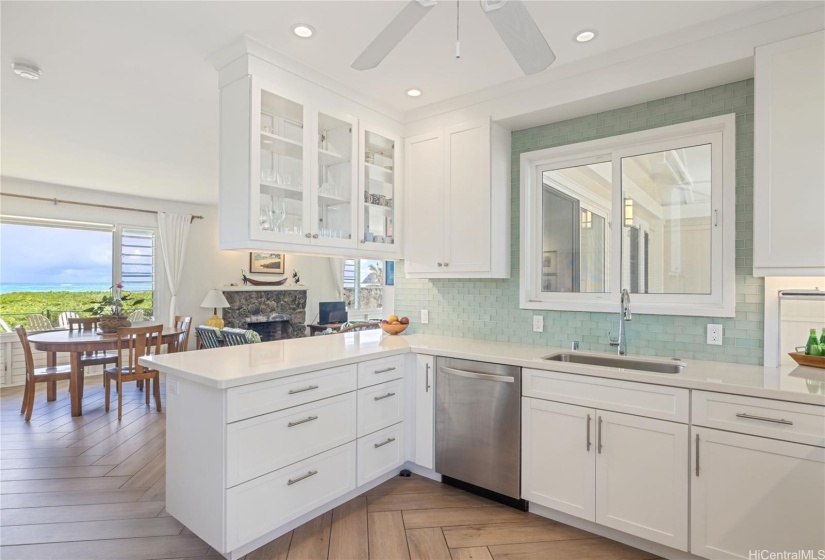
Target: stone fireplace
[(274, 313)]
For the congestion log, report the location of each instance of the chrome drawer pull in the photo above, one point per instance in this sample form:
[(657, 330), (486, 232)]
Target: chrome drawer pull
[(310, 388), (292, 481), (382, 444), (388, 395), (304, 421), (385, 370), (764, 419)]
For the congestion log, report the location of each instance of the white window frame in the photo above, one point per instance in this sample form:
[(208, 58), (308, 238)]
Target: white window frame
[(720, 133)]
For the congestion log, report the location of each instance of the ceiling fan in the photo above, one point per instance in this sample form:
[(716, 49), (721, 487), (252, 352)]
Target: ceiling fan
[(510, 19)]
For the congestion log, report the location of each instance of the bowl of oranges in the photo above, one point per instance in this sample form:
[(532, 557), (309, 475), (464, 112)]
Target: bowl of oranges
[(394, 324)]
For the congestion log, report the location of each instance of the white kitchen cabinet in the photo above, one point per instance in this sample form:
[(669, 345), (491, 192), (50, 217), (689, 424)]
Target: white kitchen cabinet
[(789, 188), (751, 493), (292, 175), (558, 458), (622, 471), (458, 199), (642, 477), (424, 410)]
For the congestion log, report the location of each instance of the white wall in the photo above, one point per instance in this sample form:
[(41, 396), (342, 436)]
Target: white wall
[(206, 267)]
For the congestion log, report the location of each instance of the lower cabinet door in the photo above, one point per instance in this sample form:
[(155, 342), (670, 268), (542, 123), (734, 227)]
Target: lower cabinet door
[(265, 503), (424, 410), (642, 477), (380, 452), (755, 494), (558, 457)]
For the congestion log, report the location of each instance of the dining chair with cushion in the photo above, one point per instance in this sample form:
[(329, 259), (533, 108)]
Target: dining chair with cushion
[(50, 375), (183, 324), (96, 358), (63, 318), (136, 316), (38, 322), (208, 337), (134, 343)]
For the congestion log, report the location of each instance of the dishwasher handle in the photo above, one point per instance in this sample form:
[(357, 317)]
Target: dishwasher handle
[(476, 375)]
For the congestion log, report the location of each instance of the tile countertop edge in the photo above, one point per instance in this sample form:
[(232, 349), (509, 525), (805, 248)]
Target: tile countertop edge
[(721, 377)]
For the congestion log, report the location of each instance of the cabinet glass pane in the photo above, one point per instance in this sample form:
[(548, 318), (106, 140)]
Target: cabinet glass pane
[(666, 244), (334, 177), (379, 188), (575, 228), (282, 181)]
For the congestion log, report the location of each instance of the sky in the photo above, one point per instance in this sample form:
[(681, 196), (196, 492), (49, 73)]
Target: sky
[(45, 255)]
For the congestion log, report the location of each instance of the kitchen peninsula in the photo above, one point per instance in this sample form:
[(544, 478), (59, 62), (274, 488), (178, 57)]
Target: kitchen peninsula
[(345, 413)]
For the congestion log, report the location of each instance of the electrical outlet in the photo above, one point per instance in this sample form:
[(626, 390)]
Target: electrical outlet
[(538, 323), (715, 334), (172, 386), (425, 316)]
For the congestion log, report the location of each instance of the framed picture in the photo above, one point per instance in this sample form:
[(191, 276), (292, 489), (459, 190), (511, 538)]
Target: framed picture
[(266, 263), (389, 273)]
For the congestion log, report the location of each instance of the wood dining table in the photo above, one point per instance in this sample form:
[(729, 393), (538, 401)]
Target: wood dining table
[(77, 343)]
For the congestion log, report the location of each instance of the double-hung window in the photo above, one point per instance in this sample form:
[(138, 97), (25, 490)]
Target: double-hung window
[(650, 212), (363, 287)]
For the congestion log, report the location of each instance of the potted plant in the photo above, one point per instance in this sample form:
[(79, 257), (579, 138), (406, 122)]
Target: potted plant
[(111, 309)]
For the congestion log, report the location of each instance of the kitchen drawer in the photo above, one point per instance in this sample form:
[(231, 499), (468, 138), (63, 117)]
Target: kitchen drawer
[(265, 443), (801, 423), (264, 504), (269, 396), (641, 399), (380, 406), (379, 371), (380, 452)]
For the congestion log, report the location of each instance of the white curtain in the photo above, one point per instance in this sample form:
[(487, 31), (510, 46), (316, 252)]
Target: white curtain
[(337, 266), (173, 230)]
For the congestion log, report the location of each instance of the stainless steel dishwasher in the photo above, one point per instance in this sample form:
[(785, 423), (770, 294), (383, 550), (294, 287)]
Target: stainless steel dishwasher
[(477, 428)]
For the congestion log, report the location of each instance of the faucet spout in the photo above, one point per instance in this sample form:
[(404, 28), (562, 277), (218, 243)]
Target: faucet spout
[(624, 316)]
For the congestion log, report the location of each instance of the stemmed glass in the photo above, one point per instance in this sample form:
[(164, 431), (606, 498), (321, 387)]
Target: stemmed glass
[(278, 213)]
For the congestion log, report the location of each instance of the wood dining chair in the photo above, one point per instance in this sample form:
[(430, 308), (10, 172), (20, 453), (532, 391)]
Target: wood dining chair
[(184, 324), (134, 343), (95, 358), (207, 337), (50, 375)]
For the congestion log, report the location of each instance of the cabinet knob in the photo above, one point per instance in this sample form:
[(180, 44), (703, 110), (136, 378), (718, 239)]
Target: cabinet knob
[(446, 264), (308, 235), (315, 236), (363, 241), (440, 264)]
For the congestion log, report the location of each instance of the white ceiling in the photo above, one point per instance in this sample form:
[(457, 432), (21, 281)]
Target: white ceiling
[(128, 103)]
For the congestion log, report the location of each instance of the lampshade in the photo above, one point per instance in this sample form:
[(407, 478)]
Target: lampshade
[(215, 299)]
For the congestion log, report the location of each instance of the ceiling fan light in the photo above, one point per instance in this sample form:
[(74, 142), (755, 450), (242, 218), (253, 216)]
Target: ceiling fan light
[(303, 30), (26, 71), (585, 36)]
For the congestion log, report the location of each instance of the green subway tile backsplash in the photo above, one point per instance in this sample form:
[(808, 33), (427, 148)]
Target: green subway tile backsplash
[(489, 309)]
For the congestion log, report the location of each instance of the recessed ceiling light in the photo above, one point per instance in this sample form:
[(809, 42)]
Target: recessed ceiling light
[(413, 92), (585, 36), (26, 71), (303, 30)]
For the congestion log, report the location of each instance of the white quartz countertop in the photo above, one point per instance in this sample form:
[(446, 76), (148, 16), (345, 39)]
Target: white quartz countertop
[(232, 366)]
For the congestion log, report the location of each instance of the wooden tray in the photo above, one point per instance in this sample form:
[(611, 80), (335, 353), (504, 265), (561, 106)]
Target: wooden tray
[(805, 360)]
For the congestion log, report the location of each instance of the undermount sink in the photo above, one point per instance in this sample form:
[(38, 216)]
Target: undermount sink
[(671, 366)]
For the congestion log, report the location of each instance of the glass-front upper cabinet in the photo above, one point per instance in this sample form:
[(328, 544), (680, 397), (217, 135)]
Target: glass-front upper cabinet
[(380, 204), (282, 204), (335, 213)]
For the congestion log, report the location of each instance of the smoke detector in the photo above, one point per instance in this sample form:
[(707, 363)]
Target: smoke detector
[(26, 71)]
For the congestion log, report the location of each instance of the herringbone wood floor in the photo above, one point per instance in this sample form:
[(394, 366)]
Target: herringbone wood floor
[(92, 488)]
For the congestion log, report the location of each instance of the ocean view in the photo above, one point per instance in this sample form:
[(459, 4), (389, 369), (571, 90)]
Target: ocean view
[(7, 288)]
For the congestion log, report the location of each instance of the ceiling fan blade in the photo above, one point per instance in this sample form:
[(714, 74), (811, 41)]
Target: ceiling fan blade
[(520, 33), (391, 35)]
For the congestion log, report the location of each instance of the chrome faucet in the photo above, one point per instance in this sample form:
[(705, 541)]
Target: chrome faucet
[(624, 315)]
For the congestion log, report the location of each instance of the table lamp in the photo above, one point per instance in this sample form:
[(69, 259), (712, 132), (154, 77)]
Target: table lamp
[(215, 299)]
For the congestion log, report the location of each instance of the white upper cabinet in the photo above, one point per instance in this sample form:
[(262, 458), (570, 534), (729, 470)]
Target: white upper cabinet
[(299, 174), (789, 190), (458, 202)]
